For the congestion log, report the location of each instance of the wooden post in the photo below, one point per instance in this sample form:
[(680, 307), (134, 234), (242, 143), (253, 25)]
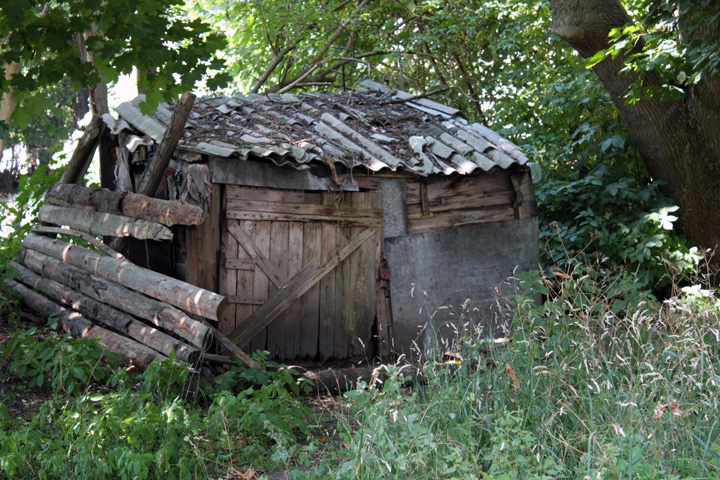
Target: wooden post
[(175, 130), (83, 154)]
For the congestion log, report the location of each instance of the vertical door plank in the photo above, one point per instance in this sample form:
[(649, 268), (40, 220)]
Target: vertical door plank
[(327, 294), (228, 280), (279, 258), (361, 304), (261, 282), (292, 319), (312, 245), (244, 287), (342, 288)]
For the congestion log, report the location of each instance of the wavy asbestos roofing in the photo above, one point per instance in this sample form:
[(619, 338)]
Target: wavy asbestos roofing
[(373, 126)]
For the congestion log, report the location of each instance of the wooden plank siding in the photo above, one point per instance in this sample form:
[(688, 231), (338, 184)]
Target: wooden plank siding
[(270, 240), (461, 200)]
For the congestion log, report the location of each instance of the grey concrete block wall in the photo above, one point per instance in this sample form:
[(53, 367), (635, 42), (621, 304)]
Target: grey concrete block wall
[(446, 280), (394, 203)]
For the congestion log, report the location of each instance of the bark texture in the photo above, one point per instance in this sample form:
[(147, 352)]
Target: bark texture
[(679, 141)]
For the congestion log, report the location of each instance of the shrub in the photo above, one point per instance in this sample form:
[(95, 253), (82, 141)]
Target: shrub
[(67, 364), (610, 217)]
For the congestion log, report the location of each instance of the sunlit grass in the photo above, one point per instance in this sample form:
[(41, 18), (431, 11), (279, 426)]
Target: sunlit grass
[(585, 390)]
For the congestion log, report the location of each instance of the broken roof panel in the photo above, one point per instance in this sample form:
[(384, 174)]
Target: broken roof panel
[(374, 126)]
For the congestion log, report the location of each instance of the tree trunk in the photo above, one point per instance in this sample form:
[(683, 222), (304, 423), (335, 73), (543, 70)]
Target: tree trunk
[(679, 141)]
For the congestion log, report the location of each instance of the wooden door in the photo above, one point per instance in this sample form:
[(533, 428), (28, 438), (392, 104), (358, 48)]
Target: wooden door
[(300, 270)]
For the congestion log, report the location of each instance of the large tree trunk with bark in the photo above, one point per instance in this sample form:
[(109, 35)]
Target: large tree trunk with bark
[(679, 140)]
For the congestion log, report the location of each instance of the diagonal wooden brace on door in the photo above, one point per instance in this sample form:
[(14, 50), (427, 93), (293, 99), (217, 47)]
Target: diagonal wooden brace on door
[(282, 298), (256, 254)]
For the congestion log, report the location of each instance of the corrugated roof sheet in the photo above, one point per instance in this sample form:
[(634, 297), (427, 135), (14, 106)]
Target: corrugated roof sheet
[(373, 127)]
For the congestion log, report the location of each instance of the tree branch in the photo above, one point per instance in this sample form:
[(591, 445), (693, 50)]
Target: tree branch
[(317, 60), (416, 97)]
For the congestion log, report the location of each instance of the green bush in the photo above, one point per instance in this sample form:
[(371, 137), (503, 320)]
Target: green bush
[(67, 364), (610, 217)]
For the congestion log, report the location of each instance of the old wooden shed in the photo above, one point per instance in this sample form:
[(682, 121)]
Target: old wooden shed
[(341, 225)]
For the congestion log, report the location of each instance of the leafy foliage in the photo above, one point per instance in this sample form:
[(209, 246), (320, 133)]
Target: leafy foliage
[(150, 433), (67, 364), (672, 46), (47, 39), (17, 215), (616, 220)]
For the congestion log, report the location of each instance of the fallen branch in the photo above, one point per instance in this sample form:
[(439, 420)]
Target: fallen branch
[(235, 350), (416, 97)]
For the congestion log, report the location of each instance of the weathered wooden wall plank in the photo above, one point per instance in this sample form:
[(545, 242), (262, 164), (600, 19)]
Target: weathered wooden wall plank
[(292, 319), (261, 283), (326, 341), (342, 289), (228, 280), (280, 258), (245, 278), (290, 217), (203, 246), (309, 321), (302, 209), (419, 224)]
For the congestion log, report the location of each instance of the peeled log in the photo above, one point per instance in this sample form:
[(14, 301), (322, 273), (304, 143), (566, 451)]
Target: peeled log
[(84, 236), (99, 223), (117, 320), (159, 314), (167, 212), (166, 289), (78, 326)]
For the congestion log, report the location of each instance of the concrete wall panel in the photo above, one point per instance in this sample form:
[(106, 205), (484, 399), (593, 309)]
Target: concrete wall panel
[(446, 279)]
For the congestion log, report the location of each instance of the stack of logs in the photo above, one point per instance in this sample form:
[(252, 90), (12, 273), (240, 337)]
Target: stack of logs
[(136, 312)]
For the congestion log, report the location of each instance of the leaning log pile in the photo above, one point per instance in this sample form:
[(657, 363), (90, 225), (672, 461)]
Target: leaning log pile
[(96, 292)]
